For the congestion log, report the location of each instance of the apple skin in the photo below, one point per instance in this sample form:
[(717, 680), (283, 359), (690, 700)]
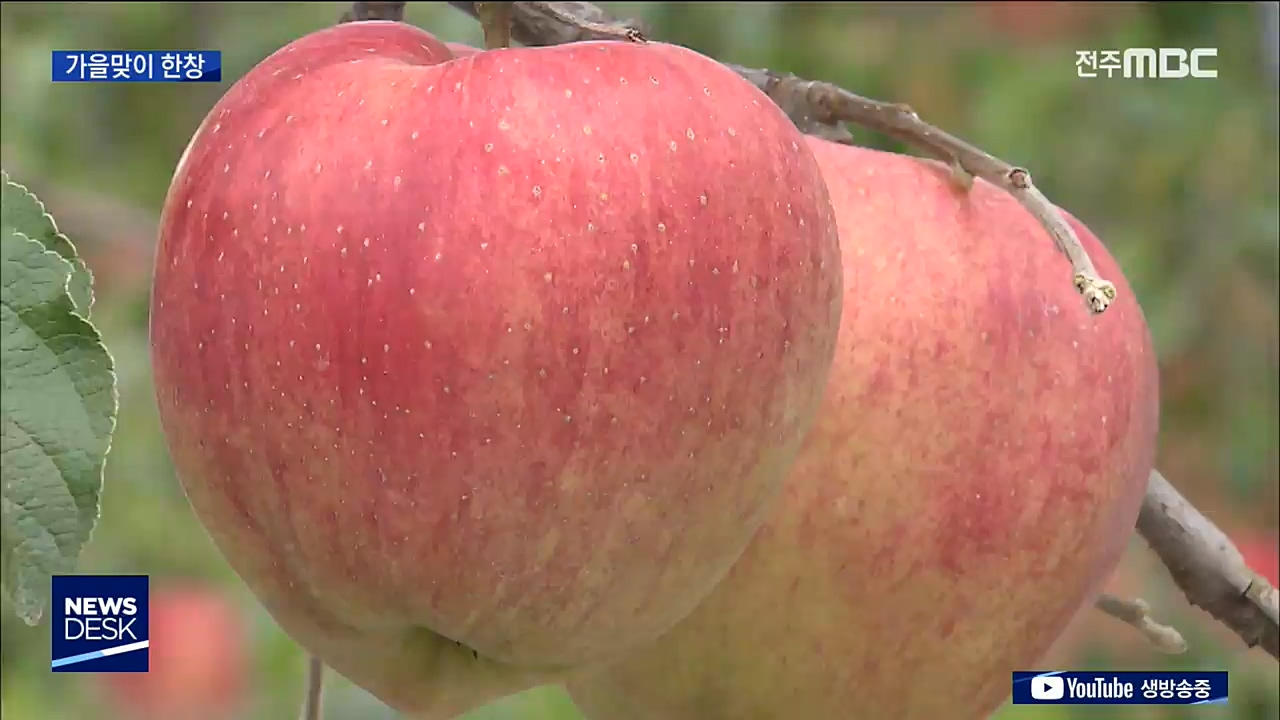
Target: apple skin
[(199, 660), (972, 479), (488, 366)]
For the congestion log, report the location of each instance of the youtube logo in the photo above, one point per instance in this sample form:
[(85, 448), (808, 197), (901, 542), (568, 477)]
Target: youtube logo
[(1048, 688)]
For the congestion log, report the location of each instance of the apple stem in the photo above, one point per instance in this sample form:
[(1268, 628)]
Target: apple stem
[(1137, 613), (311, 705), (495, 21)]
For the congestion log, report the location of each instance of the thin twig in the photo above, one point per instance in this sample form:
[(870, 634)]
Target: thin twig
[(1137, 613), (821, 109), (312, 706)]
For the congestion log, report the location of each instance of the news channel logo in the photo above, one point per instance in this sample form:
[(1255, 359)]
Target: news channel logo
[(1119, 688), (152, 66), (101, 623), (1141, 63)]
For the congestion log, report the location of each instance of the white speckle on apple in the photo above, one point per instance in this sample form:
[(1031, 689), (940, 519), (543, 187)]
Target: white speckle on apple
[(188, 203), (537, 191), (689, 133), (343, 251), (503, 124), (502, 170), (635, 158), (339, 229), (225, 215), (600, 158), (319, 167), (591, 227), (438, 256), (653, 80), (366, 242), (226, 168), (457, 86), (733, 132), (412, 291), (672, 145), (662, 227), (385, 122), (426, 344)]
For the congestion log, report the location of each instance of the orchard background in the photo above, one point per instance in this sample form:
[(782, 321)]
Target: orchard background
[(1179, 178)]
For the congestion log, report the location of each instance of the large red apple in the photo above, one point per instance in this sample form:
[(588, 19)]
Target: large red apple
[(480, 368), (972, 479), (199, 661)]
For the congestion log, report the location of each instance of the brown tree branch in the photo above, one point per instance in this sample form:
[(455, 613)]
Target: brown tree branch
[(1204, 563), (1208, 568)]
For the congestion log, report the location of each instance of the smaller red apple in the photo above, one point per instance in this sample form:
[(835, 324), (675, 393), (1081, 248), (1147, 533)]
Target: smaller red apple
[(199, 661)]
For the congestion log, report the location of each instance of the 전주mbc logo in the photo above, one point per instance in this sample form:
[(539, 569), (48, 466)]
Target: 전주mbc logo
[(100, 623), (1135, 63)]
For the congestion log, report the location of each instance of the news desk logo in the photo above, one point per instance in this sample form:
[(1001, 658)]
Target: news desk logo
[(105, 66), (1119, 688), (100, 623), (1136, 63)]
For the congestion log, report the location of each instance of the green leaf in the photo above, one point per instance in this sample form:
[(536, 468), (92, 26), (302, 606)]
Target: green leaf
[(57, 406), (22, 212)]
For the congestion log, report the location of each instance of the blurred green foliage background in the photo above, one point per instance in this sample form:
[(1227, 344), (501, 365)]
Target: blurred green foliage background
[(1178, 177)]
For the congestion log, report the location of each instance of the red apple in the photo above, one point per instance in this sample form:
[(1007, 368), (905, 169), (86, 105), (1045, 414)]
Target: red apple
[(973, 477), (199, 659), (477, 369)]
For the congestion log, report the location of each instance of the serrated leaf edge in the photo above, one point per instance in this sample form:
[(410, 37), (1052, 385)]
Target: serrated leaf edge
[(77, 262)]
